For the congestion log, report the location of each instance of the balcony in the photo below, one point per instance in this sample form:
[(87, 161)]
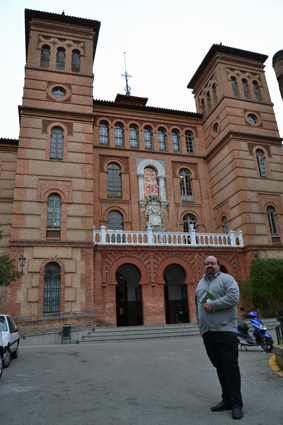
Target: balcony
[(160, 238)]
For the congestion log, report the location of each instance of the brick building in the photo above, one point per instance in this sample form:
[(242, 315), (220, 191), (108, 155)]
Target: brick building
[(115, 204)]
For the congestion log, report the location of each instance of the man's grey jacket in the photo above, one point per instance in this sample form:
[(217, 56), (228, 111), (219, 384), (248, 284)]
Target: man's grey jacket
[(224, 315)]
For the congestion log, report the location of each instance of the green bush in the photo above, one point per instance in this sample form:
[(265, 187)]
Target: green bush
[(264, 286)]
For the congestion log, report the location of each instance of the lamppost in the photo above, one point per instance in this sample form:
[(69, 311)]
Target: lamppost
[(22, 261)]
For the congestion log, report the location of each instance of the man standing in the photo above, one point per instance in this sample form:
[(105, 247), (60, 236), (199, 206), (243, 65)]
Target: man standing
[(216, 297)]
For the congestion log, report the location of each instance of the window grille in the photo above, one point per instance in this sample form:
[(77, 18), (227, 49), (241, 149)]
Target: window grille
[(225, 225), (51, 288), (256, 90), (246, 89), (76, 61), (234, 87), (190, 219)]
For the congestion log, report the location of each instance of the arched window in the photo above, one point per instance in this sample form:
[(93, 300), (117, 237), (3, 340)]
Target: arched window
[(189, 142), (150, 182), (56, 143), (176, 140), (114, 184), (134, 141), (214, 92), (225, 224), (186, 185), (148, 138), (76, 61), (51, 288), (256, 90), (203, 110), (190, 219), (103, 133), (261, 163), (60, 59), (209, 101), (119, 135), (162, 139), (272, 220), (114, 222), (54, 211), (45, 57), (246, 89), (234, 86)]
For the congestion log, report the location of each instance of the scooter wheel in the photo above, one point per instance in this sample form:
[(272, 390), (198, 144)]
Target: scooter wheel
[(267, 344)]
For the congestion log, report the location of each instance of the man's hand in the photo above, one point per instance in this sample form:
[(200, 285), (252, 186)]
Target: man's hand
[(207, 307)]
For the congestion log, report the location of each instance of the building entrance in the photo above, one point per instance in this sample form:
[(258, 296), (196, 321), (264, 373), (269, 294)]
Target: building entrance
[(175, 295), (128, 296)]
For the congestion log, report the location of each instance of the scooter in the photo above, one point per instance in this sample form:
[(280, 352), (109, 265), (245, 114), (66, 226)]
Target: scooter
[(259, 336)]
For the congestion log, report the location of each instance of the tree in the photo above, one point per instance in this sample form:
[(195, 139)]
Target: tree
[(8, 273), (264, 286)]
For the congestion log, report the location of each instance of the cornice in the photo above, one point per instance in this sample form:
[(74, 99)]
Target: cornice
[(50, 243), (59, 114), (254, 138)]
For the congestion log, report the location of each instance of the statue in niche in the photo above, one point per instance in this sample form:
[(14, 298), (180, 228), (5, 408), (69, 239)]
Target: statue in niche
[(154, 212)]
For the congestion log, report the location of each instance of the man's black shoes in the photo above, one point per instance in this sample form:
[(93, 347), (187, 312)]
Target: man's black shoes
[(237, 413), (223, 405)]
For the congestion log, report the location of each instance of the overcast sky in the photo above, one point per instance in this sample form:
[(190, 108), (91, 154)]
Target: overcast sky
[(165, 42)]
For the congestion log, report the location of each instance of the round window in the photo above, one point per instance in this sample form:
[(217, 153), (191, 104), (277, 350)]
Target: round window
[(216, 127), (252, 118), (59, 92)]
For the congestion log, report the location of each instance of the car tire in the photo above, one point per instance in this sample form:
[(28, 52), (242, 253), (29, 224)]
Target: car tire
[(15, 353), (7, 358), (1, 364)]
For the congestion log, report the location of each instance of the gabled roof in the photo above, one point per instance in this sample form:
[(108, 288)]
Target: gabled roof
[(219, 48), (36, 14)]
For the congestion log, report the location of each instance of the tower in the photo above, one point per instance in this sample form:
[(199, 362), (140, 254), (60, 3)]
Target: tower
[(242, 143), (53, 197)]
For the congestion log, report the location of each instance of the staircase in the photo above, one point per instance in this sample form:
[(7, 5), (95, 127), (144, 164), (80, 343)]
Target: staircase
[(145, 333), (138, 333)]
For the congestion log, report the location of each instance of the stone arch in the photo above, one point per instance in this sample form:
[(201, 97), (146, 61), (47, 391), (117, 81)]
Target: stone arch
[(173, 260), (151, 163), (131, 260)]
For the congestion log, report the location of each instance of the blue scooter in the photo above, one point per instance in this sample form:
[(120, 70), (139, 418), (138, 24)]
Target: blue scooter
[(259, 337)]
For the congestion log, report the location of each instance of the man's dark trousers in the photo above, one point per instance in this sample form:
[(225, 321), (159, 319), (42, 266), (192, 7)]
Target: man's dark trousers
[(222, 350)]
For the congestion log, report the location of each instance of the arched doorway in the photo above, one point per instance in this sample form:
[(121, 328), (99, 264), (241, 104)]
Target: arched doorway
[(175, 294), (128, 296)]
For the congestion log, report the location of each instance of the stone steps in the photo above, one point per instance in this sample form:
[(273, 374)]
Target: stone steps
[(137, 333)]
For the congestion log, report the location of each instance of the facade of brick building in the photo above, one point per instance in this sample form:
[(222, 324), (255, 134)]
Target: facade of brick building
[(115, 204)]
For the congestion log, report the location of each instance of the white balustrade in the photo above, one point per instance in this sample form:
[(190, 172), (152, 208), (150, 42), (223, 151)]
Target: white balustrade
[(154, 238)]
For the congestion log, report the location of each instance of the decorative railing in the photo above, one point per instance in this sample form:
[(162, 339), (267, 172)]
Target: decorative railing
[(151, 237)]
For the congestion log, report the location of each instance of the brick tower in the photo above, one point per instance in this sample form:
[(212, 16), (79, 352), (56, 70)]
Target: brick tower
[(242, 143), (53, 203)]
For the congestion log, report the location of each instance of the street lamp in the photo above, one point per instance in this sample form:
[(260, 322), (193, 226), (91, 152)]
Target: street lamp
[(22, 261)]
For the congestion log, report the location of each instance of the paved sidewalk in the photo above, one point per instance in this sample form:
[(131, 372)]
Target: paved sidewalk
[(168, 382)]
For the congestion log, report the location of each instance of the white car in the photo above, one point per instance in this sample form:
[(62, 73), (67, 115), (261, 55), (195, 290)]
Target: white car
[(11, 340), (1, 353)]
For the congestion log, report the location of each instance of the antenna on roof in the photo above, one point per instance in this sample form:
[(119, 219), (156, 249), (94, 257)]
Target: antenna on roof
[(126, 76)]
